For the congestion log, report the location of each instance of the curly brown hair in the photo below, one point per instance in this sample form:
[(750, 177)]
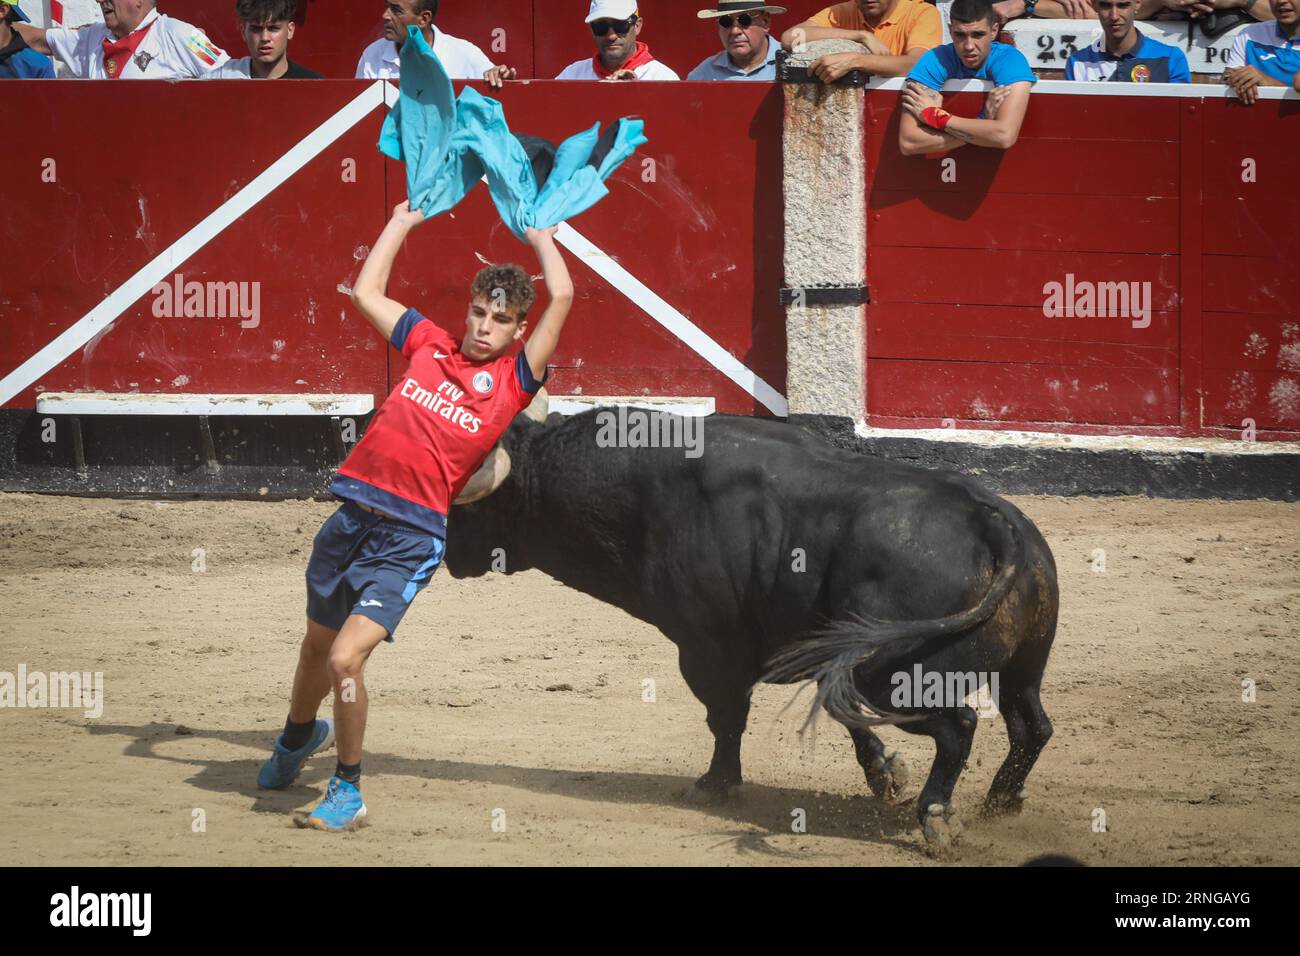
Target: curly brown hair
[(508, 286)]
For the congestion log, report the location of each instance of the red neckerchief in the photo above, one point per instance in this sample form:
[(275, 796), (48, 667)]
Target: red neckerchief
[(117, 52), (641, 57)]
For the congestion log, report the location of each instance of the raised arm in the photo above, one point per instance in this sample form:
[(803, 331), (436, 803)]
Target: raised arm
[(34, 37), (370, 292), (831, 67), (559, 288)]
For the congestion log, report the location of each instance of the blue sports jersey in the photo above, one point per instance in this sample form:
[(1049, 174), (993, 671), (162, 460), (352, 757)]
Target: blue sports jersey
[(1265, 47), (18, 61), (1150, 61), (1005, 64)]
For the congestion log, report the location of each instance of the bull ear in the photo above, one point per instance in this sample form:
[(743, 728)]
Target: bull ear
[(493, 471), (539, 408)]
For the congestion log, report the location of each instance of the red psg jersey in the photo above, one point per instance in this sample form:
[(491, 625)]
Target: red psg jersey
[(438, 425)]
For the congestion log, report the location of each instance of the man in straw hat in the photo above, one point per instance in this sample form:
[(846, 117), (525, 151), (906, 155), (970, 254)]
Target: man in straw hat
[(749, 51)]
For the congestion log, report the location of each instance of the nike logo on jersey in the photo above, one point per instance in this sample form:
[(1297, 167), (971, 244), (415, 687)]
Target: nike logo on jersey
[(438, 355)]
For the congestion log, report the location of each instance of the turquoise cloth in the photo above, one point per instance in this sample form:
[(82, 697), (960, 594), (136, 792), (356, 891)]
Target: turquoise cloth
[(448, 145)]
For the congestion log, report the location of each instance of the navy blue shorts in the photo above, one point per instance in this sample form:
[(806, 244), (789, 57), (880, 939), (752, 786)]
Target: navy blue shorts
[(368, 565)]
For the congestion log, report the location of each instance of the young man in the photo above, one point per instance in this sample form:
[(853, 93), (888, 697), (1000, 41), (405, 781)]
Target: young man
[(926, 127), (135, 42), (268, 26), (748, 49), (896, 33), (17, 60), (1266, 54), (461, 59), (383, 544), (1124, 54), (620, 54)]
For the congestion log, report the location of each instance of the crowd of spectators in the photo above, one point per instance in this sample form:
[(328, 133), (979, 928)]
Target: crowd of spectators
[(900, 38)]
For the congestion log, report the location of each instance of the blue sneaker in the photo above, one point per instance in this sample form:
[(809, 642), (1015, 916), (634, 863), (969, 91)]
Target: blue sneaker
[(341, 809), (285, 765)]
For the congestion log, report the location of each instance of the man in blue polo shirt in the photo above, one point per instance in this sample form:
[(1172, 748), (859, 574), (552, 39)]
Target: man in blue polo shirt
[(1123, 54), (18, 61), (749, 50), (1266, 53), (926, 127)]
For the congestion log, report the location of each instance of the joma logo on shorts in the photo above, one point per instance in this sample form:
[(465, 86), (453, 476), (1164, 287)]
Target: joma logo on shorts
[(60, 690), (74, 909)]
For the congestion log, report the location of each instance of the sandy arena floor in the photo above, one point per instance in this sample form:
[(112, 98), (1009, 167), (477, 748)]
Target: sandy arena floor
[(519, 695)]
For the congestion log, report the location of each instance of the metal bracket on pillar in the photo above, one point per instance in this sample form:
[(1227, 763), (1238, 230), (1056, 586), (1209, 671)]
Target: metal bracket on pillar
[(209, 446), (785, 73), (829, 295)]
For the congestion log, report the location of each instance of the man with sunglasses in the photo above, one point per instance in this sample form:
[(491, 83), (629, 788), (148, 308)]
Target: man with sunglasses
[(749, 51), (620, 54), (896, 33)]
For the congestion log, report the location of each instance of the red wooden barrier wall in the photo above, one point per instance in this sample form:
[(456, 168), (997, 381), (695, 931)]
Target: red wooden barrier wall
[(140, 164), (1108, 189)]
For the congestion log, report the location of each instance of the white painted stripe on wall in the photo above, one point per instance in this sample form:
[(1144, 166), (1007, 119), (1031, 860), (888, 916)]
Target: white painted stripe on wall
[(107, 403), (673, 405), (107, 312), (679, 325)]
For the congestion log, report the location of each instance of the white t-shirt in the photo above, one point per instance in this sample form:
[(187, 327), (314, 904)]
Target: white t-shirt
[(461, 59), (234, 70), (586, 70), (171, 49)]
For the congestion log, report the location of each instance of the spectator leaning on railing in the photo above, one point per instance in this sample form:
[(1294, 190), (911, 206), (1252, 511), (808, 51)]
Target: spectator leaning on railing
[(267, 26), (17, 60), (1049, 9), (896, 33), (926, 127), (1266, 54), (620, 54), (1123, 54), (135, 42), (749, 49), (1195, 9), (461, 59)]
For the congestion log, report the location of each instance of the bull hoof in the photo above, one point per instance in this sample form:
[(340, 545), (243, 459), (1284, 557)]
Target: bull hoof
[(942, 828), (707, 792), (887, 776), (1003, 804)]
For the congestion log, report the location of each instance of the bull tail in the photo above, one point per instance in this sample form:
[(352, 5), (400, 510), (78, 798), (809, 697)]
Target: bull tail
[(832, 654)]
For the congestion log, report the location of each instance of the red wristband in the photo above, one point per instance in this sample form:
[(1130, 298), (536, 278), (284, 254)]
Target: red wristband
[(935, 116)]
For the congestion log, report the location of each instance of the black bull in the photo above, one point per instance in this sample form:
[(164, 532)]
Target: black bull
[(773, 556)]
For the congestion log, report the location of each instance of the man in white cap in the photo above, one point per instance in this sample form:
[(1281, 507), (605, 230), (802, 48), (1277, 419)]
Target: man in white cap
[(135, 42), (620, 54), (749, 51), (461, 59)]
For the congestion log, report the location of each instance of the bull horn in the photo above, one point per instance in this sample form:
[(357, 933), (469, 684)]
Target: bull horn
[(540, 406), (493, 471)]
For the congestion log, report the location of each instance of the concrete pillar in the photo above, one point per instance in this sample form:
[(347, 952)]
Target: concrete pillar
[(825, 238)]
